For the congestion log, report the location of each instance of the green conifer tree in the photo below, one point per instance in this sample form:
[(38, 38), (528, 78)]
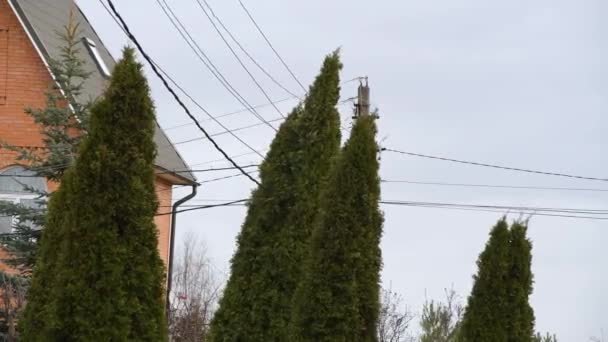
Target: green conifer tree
[(66, 113), (485, 315), (338, 298), (107, 275), (499, 308), (520, 314), (256, 305), (38, 319)]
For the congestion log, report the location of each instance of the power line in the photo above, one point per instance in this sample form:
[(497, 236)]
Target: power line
[(235, 130), (227, 131), (271, 46), (179, 101), (494, 166), (209, 170), (199, 205), (253, 60), (256, 107), (208, 200), (235, 156), (194, 46), (494, 209), (233, 112), (211, 117), (219, 32), (532, 211), (504, 207), (227, 204), (494, 186), (226, 177)]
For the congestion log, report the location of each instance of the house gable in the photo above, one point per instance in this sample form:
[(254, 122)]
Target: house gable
[(42, 19), (27, 79)]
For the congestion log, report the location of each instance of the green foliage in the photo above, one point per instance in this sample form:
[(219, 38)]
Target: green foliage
[(544, 338), (66, 112), (266, 267), (520, 314), (338, 299), (61, 123), (99, 274), (38, 315), (498, 308), (440, 320)]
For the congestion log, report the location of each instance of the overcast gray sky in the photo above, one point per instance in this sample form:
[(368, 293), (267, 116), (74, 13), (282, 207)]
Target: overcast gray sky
[(519, 83)]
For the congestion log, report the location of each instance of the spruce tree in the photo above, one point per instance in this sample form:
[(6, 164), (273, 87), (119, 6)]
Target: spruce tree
[(520, 314), (266, 267), (486, 312), (66, 112), (338, 298), (106, 279)]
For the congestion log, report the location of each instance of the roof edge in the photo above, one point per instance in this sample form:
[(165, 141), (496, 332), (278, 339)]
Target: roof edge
[(174, 177), (43, 53)]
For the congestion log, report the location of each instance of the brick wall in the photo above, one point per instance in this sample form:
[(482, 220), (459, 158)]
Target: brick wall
[(164, 193), (24, 79)]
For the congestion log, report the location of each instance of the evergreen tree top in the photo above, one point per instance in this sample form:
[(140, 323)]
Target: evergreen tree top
[(266, 267), (338, 299), (99, 273)]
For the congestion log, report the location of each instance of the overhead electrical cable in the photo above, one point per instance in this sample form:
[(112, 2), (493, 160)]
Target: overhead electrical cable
[(211, 117), (272, 46), (175, 96), (240, 46), (494, 166), (493, 186), (592, 214), (203, 57)]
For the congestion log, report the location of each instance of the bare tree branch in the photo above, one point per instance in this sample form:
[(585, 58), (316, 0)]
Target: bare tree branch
[(196, 291)]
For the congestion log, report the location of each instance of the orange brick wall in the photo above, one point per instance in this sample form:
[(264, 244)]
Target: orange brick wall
[(164, 193), (25, 82)]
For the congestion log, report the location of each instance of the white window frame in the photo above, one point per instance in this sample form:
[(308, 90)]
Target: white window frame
[(92, 47), (16, 199)]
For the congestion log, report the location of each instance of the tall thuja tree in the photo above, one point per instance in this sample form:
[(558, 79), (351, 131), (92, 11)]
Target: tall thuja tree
[(521, 315), (338, 298), (486, 312), (38, 319), (499, 308), (62, 123), (266, 267), (107, 279)]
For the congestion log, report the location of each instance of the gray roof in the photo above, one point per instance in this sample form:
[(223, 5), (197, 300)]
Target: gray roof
[(44, 20)]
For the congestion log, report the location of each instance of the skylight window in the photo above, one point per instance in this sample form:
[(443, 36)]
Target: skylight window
[(92, 47)]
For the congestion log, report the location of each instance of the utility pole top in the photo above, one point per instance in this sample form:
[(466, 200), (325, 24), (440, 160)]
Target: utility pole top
[(362, 106)]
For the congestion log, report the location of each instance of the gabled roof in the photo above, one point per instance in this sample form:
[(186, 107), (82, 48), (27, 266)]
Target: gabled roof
[(43, 20)]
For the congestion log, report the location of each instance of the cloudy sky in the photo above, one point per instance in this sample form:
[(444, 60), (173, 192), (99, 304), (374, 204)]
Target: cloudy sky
[(517, 83)]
